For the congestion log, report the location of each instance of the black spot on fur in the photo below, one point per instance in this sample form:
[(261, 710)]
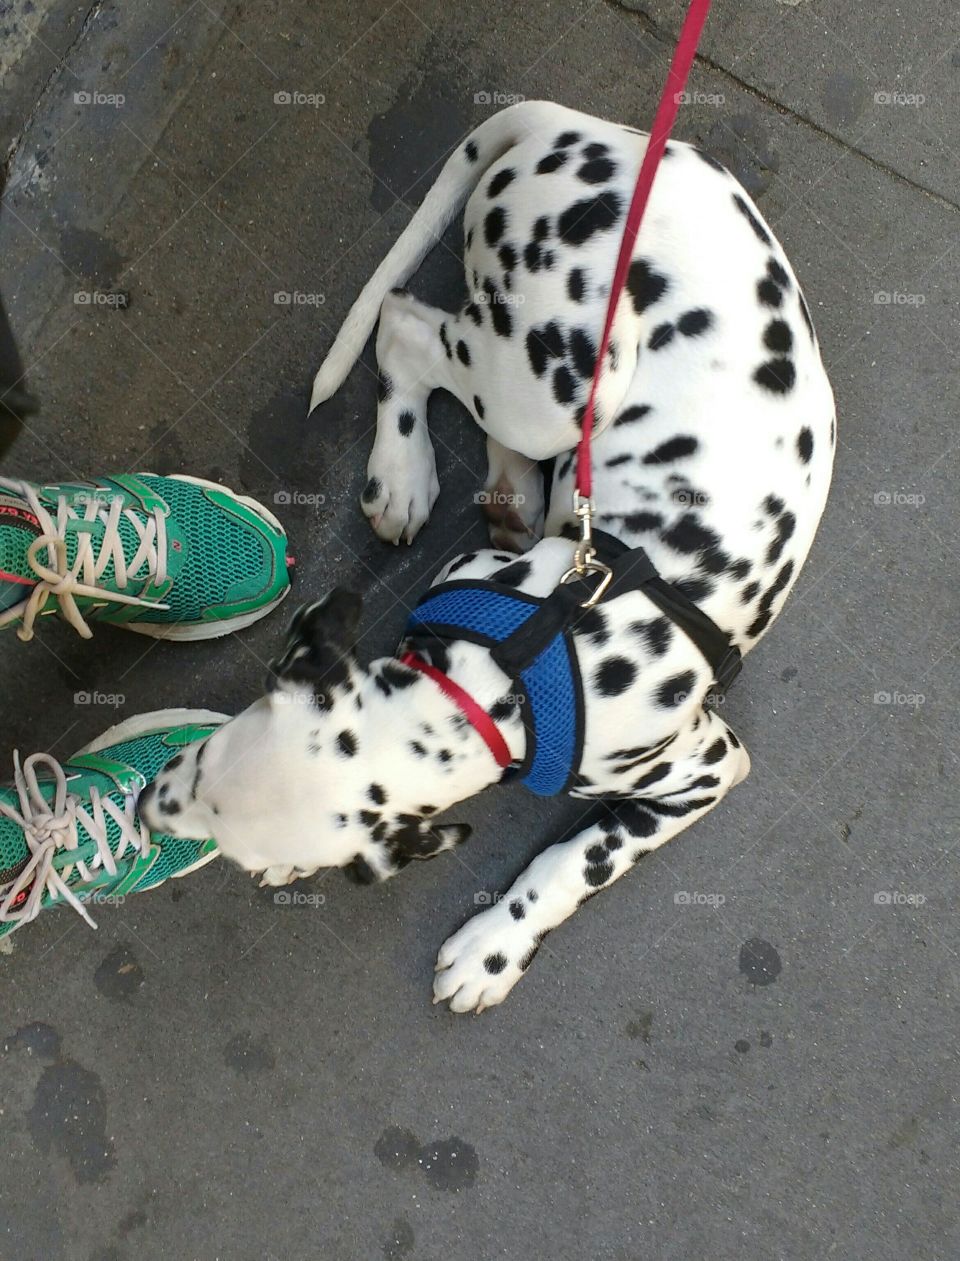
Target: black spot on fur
[(531, 256), (749, 592), (765, 608), (376, 794), (445, 341), (463, 353), (541, 229), (406, 423), (778, 337), (384, 387), (805, 444), (637, 819), (674, 691), (614, 676), (584, 219), (346, 744), (473, 312), (776, 375), (583, 352), (652, 777), (478, 406), (470, 149), (630, 414), (495, 225), (552, 162), (769, 293), (459, 563), (500, 182), (495, 963), (656, 634), (565, 139), (739, 569), (597, 171), (517, 909), (661, 336), (418, 748), (640, 522), (615, 461), (693, 323), (499, 311), (508, 257), (645, 285), (778, 274), (761, 233), (598, 874), (593, 622), (564, 385), (595, 150), (715, 753), (575, 285), (399, 676), (785, 528), (673, 449)]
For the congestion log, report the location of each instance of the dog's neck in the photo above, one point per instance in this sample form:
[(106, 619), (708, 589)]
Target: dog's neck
[(428, 750)]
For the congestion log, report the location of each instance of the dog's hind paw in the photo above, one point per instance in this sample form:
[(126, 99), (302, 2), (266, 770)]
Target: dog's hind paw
[(400, 494)]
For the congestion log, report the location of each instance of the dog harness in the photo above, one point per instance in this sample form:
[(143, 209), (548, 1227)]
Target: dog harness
[(532, 640)]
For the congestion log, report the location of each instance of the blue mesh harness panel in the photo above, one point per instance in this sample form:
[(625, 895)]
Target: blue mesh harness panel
[(549, 685)]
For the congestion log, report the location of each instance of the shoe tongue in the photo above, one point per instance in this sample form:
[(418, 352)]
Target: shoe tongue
[(18, 528)]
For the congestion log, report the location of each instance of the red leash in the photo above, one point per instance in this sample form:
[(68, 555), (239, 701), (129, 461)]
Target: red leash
[(476, 715), (659, 135)]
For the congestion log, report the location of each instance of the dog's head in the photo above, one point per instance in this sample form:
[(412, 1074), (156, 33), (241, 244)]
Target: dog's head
[(336, 766)]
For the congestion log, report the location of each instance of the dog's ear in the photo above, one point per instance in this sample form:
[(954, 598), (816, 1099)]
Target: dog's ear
[(425, 840), (320, 642)]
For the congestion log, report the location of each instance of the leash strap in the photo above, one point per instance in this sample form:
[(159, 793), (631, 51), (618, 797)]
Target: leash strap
[(683, 56), (475, 714)]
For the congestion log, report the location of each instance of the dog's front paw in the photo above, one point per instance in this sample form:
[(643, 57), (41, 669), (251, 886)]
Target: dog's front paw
[(275, 876), (401, 490), (481, 963)]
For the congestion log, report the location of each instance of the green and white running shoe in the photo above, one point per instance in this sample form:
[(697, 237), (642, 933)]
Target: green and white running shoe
[(172, 557), (71, 833)]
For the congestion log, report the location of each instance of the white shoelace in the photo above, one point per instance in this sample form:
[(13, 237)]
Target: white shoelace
[(49, 826), (65, 582)]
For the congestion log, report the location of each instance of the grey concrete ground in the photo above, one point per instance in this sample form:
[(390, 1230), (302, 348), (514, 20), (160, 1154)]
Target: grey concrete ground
[(212, 1076)]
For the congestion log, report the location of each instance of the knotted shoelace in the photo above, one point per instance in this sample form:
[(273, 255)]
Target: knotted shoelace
[(51, 826), (58, 580)]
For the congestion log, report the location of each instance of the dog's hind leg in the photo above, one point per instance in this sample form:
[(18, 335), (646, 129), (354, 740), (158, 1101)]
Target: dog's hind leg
[(512, 498), (402, 484), (480, 964)]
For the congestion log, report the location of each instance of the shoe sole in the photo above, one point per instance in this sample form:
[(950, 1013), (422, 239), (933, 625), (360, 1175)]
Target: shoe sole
[(132, 728), (214, 630)]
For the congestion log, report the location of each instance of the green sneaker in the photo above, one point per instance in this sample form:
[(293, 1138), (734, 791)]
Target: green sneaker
[(71, 833), (173, 557)]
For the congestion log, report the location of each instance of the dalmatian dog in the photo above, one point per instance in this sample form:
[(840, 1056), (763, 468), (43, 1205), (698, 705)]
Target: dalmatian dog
[(713, 451)]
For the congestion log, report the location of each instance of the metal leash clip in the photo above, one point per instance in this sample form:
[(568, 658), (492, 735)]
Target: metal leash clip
[(585, 557)]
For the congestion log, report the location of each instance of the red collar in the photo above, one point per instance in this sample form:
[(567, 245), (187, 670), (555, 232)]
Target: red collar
[(474, 713)]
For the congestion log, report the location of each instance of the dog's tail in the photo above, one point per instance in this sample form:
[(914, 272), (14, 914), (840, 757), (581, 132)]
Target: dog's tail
[(461, 173)]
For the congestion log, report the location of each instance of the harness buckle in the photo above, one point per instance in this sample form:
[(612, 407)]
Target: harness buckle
[(585, 557)]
